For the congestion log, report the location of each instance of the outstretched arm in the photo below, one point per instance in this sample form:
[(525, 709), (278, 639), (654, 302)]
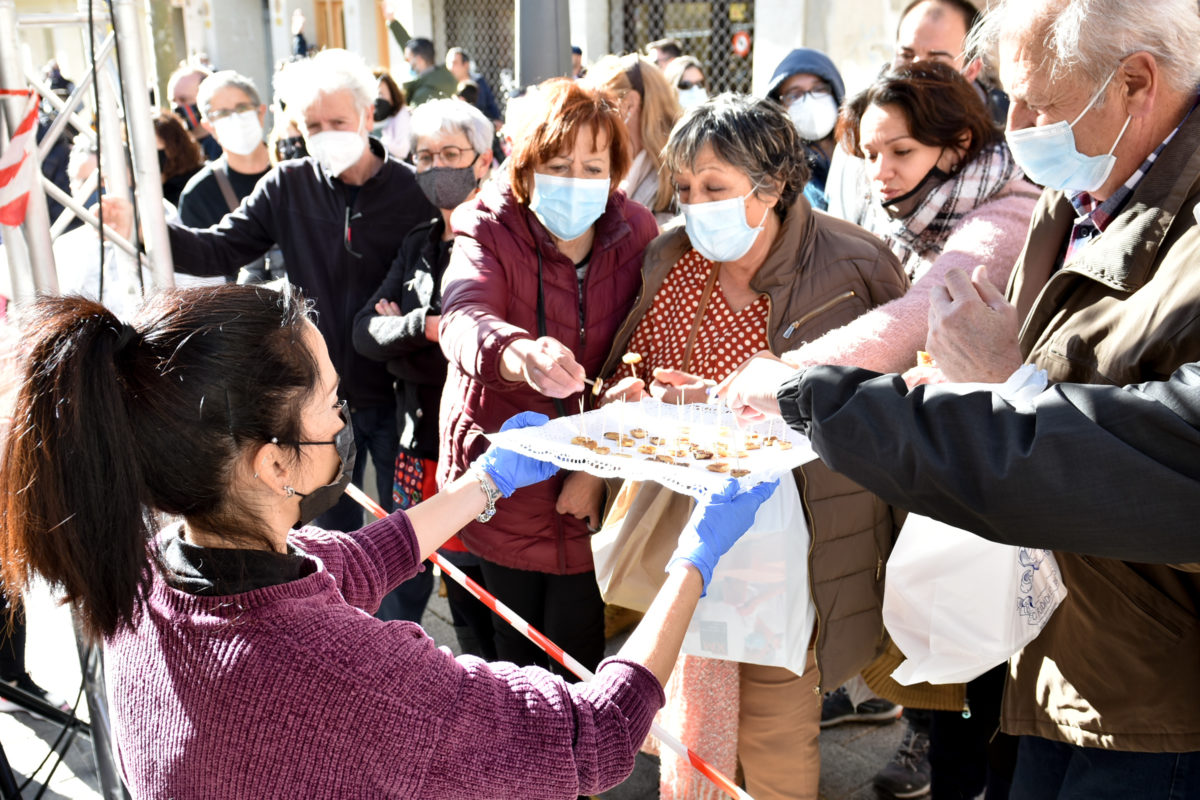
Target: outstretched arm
[(1071, 473)]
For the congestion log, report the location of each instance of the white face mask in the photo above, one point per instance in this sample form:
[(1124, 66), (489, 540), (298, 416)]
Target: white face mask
[(239, 133), (337, 151), (692, 97), (814, 117)]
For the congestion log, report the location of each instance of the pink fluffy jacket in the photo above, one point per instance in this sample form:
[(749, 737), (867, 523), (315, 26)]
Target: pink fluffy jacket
[(887, 338)]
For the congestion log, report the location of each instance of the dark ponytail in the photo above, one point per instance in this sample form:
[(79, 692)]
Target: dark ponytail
[(113, 422)]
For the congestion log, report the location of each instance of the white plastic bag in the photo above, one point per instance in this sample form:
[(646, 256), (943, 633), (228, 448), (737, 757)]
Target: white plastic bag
[(759, 609), (957, 605)]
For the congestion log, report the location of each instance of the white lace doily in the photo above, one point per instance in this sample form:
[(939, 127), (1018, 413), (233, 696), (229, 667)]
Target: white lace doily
[(694, 449)]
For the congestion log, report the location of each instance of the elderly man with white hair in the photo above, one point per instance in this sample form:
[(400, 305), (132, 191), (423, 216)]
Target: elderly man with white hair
[(339, 217), (1107, 291)]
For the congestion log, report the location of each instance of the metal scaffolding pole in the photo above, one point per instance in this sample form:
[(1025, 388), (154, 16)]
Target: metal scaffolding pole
[(114, 156), (68, 215), (91, 663), (66, 115), (14, 248), (75, 208), (36, 227), (29, 247), (60, 105), (142, 143), (18, 263)]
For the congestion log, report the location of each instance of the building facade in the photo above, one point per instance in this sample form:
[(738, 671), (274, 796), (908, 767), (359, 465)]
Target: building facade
[(740, 42)]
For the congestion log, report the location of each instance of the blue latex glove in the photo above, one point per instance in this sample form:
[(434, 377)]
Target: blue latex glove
[(717, 524), (511, 471)]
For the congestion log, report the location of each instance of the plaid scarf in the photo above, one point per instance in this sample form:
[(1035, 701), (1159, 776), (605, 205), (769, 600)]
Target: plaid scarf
[(922, 233)]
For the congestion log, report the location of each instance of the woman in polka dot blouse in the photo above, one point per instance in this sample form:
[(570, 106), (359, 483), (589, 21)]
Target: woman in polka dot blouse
[(754, 268)]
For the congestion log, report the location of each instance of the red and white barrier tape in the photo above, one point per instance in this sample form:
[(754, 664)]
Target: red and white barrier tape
[(505, 613)]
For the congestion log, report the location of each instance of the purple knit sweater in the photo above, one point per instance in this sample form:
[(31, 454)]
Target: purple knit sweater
[(295, 690)]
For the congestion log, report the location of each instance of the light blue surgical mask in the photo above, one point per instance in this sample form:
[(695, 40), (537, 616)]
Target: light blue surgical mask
[(568, 206), (718, 229), (1048, 157)]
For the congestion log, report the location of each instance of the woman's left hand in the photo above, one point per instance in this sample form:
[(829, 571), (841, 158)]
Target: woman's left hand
[(675, 386)]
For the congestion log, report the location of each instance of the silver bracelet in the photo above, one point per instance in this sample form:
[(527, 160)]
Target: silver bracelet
[(490, 493)]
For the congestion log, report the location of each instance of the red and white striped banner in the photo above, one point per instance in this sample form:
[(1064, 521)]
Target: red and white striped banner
[(16, 163)]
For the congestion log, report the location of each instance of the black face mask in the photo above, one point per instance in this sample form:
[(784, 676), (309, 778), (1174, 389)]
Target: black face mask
[(190, 115), (162, 161), (319, 500), (448, 187), (290, 147), (383, 109), (905, 204)]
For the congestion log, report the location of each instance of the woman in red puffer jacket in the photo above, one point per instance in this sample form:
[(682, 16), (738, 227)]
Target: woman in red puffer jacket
[(546, 265)]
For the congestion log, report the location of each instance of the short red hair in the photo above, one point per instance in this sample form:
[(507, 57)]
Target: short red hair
[(556, 113)]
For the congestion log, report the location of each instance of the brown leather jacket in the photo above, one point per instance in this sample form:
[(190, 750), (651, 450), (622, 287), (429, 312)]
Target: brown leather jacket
[(1115, 666), (820, 274)]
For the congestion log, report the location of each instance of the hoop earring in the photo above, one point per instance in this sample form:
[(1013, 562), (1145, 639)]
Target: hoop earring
[(289, 491)]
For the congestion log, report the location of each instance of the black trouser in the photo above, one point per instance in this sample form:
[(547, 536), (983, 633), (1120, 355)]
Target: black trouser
[(472, 619), (968, 754), (12, 642), (1051, 770), (567, 608)]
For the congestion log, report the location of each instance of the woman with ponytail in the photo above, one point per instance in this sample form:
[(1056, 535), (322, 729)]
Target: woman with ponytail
[(240, 661)]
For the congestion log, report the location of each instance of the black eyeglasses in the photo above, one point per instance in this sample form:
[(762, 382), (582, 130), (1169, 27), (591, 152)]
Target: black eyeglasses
[(817, 92), (700, 84)]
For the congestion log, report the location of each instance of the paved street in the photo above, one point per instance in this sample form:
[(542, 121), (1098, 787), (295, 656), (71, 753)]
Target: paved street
[(52, 660), (850, 754)]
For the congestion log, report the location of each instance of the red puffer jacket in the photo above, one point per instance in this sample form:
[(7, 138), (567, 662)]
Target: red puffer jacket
[(490, 299)]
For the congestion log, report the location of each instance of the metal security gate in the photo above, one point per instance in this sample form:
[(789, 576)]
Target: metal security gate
[(706, 31), (484, 28)]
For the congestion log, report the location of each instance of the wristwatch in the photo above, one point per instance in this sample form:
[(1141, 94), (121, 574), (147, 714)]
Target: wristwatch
[(490, 492)]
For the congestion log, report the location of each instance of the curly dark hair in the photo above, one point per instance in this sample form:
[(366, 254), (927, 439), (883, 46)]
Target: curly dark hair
[(938, 103), (751, 134), (183, 155)]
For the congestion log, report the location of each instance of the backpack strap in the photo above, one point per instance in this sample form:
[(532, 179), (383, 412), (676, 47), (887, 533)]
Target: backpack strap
[(220, 171)]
